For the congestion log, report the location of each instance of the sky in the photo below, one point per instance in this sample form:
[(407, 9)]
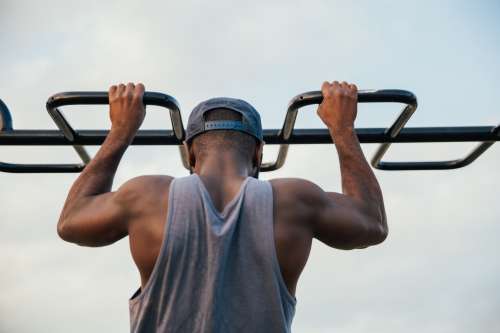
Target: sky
[(438, 271)]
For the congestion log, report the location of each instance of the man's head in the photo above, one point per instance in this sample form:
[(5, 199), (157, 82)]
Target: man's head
[(225, 126)]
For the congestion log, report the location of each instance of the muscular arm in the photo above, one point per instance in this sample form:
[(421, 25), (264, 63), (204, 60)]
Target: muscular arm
[(338, 220), (92, 215), (362, 220), (356, 218), (90, 200)]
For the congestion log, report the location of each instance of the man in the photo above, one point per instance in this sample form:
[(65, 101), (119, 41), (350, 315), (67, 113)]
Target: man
[(220, 250)]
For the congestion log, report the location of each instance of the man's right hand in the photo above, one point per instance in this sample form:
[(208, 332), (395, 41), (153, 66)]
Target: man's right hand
[(339, 107), (127, 110)]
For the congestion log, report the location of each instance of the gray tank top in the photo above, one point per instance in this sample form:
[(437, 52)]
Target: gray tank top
[(216, 271)]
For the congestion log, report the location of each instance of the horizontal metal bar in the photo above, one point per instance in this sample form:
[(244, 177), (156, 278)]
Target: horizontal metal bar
[(363, 96), (271, 136), (93, 98), (41, 168), (442, 165), (101, 98), (437, 165), (69, 134)]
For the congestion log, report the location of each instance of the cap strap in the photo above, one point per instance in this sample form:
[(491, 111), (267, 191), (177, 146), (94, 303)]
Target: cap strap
[(227, 124)]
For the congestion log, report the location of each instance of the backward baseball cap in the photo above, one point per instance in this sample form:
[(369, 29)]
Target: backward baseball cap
[(250, 119)]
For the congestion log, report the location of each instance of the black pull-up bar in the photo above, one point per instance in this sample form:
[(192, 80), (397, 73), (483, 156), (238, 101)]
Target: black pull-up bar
[(96, 98), (393, 132), (72, 136), (396, 133), (364, 96), (5, 118)]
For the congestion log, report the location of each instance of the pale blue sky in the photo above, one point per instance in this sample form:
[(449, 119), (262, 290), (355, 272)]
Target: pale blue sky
[(437, 272)]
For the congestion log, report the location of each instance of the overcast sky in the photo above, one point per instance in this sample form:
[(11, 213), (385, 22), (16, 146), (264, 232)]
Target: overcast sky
[(437, 272)]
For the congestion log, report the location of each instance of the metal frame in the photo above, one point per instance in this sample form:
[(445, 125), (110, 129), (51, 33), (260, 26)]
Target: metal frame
[(439, 165), (364, 96), (72, 136), (391, 134), (287, 135), (5, 118)]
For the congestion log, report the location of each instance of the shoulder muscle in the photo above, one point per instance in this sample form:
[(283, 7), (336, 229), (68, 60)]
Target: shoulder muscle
[(144, 193)]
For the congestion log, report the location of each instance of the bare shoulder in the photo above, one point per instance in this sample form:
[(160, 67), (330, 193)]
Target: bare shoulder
[(148, 181), (295, 189), (145, 192), (297, 196)]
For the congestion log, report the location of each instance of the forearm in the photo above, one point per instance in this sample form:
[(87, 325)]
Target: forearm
[(97, 177), (358, 179)]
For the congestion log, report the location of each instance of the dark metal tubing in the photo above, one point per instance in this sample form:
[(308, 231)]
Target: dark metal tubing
[(100, 97), (5, 117), (443, 165), (71, 136), (486, 134), (41, 168), (364, 96), (271, 136), (6, 127)]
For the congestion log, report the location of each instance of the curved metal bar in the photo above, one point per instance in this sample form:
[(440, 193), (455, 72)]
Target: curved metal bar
[(101, 97), (5, 117), (443, 165), (7, 128), (364, 96), (285, 136)]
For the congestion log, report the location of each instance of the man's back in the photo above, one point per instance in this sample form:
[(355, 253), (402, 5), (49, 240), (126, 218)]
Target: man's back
[(292, 236), (224, 143), (217, 269)]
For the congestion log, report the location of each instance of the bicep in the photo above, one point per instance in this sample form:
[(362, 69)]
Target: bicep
[(342, 222), (96, 220), (103, 219), (335, 219)]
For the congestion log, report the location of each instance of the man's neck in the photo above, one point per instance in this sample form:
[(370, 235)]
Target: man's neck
[(223, 165)]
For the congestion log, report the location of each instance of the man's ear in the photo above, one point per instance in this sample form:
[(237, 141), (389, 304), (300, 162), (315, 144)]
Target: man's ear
[(257, 158), (190, 151)]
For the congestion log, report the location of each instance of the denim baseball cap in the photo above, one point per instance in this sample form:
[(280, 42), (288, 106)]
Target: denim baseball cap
[(250, 119)]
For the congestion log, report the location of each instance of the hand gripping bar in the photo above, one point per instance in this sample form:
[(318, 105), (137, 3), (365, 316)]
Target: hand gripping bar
[(364, 96), (72, 135), (95, 97)]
